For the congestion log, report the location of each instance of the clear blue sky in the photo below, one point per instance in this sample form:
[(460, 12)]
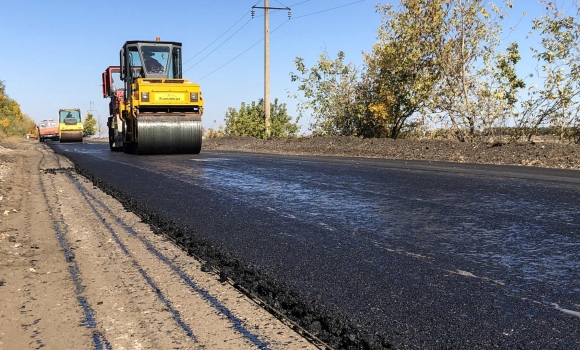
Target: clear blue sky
[(53, 52)]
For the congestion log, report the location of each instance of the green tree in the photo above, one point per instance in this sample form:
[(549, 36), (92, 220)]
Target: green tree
[(89, 126), (432, 57), (250, 120), (479, 86), (402, 69), (555, 103), (330, 89), (12, 121)]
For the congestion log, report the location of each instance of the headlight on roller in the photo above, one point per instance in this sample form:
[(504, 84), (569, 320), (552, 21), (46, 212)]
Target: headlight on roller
[(144, 96), (193, 97)]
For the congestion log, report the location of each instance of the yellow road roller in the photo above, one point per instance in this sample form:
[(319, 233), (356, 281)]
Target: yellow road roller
[(70, 127), (157, 111)]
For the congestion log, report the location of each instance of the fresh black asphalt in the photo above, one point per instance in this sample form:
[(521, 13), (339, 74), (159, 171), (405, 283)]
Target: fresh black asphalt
[(370, 253)]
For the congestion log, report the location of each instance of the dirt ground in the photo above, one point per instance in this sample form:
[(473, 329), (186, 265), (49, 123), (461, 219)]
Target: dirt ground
[(77, 271), (488, 151)]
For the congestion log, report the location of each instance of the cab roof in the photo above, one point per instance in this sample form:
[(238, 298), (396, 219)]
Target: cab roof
[(152, 42)]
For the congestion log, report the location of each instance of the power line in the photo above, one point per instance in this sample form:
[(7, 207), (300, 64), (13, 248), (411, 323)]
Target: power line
[(224, 33), (291, 6), (330, 9), (212, 51), (300, 3), (314, 13), (248, 49), (259, 41)]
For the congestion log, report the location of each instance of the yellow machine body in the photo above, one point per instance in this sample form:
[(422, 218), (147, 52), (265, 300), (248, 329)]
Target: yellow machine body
[(157, 110), (168, 115)]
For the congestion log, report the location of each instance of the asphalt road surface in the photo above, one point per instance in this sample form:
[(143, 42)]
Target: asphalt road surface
[(380, 253)]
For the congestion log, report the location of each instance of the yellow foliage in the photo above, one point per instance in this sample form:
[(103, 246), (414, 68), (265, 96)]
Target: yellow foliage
[(4, 123), (379, 111), (12, 120), (16, 110), (484, 13)]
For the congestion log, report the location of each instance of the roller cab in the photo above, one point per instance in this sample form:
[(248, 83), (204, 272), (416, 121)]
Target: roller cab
[(158, 110)]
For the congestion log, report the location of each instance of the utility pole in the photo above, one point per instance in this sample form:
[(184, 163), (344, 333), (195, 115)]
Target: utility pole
[(266, 9), (90, 111)]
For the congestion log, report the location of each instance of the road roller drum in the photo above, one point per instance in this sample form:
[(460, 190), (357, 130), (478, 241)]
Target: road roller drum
[(71, 136), (168, 134)]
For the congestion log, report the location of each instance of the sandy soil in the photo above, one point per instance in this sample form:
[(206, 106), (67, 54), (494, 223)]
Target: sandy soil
[(77, 271)]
